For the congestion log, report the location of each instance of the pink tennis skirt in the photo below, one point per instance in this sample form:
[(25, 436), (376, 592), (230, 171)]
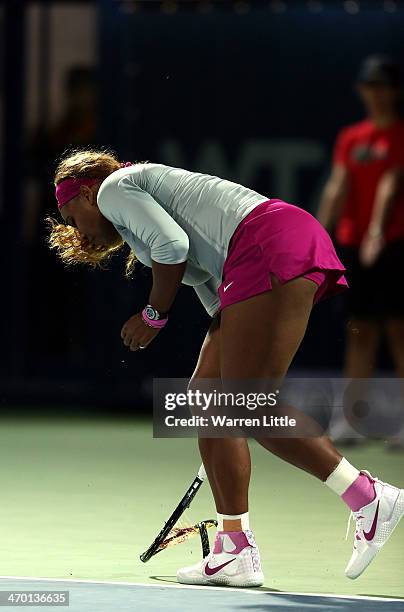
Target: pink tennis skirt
[(282, 240)]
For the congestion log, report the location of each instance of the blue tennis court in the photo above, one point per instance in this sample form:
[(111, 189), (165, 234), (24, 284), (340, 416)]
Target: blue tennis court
[(124, 597)]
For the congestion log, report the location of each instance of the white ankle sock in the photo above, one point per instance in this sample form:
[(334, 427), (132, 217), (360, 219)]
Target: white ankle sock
[(245, 524), (342, 477)]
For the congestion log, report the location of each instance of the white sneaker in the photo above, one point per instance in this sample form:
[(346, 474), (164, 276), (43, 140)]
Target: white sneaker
[(374, 525), (234, 561)]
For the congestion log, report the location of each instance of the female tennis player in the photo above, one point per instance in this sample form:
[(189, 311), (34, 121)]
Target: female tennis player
[(258, 265)]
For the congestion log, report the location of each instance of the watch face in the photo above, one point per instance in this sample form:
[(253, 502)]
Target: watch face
[(151, 313)]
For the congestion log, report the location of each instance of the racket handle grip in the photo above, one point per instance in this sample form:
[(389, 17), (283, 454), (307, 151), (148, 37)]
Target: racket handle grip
[(202, 473)]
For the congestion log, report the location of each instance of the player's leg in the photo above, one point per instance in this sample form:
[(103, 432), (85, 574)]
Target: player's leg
[(270, 328), (235, 554), (258, 338), (228, 466), (226, 460)]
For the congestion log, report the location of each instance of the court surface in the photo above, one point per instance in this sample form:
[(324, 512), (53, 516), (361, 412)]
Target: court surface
[(81, 499)]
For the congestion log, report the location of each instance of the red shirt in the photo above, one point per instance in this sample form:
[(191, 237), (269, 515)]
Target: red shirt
[(368, 152)]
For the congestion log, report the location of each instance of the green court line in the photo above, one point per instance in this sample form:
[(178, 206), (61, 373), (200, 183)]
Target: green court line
[(81, 499)]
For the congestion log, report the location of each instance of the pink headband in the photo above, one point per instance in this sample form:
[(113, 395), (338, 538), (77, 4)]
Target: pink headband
[(70, 187)]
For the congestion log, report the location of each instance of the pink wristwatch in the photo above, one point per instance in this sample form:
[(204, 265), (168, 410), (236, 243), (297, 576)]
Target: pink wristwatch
[(153, 318)]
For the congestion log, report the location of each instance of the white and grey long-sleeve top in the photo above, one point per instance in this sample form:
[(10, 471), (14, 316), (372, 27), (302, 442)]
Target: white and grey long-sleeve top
[(171, 215)]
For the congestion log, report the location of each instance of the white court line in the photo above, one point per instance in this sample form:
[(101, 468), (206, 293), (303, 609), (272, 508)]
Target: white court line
[(204, 587)]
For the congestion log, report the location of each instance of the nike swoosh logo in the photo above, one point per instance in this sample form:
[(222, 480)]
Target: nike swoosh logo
[(209, 571), (369, 535), (227, 286)]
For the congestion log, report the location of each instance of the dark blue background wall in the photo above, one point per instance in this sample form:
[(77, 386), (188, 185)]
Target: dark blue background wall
[(257, 98)]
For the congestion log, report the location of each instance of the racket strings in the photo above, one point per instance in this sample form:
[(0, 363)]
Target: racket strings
[(182, 531)]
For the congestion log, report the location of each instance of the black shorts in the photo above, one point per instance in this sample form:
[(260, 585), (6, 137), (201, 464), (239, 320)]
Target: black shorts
[(376, 292)]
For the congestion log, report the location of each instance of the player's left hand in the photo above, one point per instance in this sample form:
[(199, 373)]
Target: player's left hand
[(136, 333), (370, 249)]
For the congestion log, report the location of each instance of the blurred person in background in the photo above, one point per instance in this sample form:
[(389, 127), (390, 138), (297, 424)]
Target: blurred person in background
[(364, 200), (75, 126)]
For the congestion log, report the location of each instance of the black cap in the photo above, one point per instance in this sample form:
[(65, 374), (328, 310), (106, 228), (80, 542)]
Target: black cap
[(380, 69)]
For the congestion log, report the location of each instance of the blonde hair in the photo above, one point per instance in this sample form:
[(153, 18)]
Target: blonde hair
[(66, 240)]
